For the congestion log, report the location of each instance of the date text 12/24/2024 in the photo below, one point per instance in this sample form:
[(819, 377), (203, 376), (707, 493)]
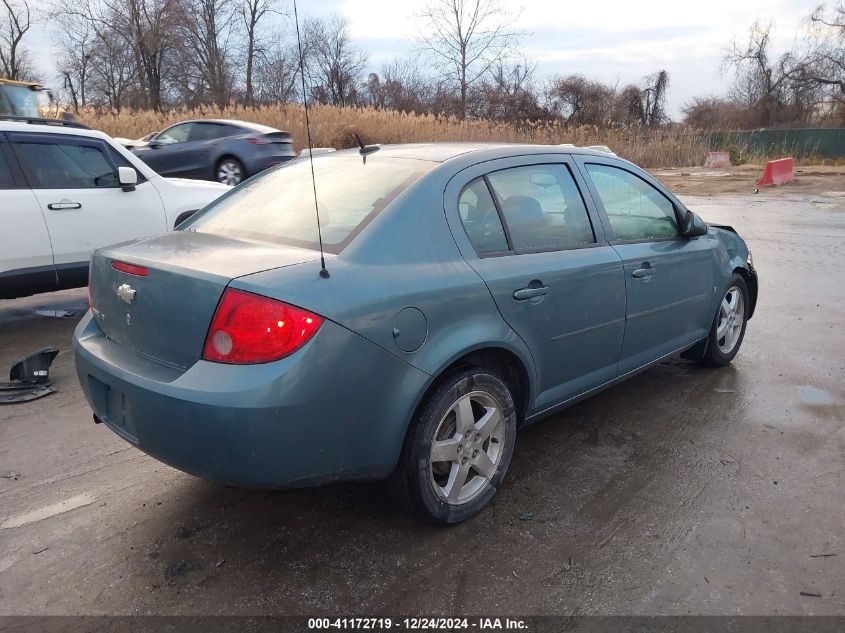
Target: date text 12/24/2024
[(417, 624)]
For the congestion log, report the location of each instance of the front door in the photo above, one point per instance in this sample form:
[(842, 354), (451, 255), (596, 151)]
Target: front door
[(26, 256), (556, 283), (669, 278), (174, 153), (75, 181)]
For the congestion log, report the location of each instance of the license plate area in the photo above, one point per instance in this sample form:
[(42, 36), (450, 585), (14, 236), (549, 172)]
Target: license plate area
[(113, 409)]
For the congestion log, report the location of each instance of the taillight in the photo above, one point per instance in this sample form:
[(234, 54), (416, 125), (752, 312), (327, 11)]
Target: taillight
[(259, 141), (90, 298), (248, 328), (130, 269)]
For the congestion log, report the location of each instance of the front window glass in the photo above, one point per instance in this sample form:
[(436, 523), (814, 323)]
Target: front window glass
[(176, 134), (278, 206), (635, 209), (66, 164)]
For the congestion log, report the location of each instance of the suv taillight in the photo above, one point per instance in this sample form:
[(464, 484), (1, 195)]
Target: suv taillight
[(249, 329)]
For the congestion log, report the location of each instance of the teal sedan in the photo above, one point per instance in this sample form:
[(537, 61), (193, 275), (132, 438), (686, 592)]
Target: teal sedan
[(468, 290)]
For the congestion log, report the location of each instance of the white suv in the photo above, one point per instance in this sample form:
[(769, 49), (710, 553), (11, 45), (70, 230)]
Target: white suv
[(66, 190)]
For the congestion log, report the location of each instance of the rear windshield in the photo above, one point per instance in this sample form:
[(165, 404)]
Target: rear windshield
[(278, 206)]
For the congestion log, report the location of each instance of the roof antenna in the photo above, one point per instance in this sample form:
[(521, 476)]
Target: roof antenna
[(365, 149), (323, 270)]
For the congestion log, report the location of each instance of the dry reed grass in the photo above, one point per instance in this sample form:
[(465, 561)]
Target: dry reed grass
[(336, 127)]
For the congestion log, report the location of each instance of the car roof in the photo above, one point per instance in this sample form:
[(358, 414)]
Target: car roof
[(248, 125), (51, 128), (443, 152)]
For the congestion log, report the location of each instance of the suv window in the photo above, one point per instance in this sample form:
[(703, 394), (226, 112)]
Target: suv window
[(6, 180), (542, 208), (635, 209), (53, 161), (481, 219), (176, 134)]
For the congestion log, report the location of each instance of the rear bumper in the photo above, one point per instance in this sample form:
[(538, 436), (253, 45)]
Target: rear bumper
[(304, 420)]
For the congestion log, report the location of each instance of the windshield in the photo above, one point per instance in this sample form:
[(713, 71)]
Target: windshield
[(278, 206), (18, 101)]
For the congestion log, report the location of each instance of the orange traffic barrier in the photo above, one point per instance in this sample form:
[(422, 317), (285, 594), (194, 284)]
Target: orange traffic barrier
[(778, 172), (718, 159)]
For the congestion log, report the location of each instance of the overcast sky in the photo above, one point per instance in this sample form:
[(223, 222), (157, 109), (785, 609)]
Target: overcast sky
[(612, 40)]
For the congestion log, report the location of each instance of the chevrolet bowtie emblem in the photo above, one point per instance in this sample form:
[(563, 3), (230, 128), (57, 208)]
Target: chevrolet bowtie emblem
[(126, 293)]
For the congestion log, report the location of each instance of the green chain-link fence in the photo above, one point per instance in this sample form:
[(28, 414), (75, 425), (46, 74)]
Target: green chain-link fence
[(826, 143)]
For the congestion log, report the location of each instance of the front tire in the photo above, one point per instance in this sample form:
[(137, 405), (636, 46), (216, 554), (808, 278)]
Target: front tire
[(728, 329), (457, 449)]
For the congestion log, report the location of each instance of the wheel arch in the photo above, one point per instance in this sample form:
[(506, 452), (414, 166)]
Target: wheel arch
[(506, 362), (183, 216), (751, 282)]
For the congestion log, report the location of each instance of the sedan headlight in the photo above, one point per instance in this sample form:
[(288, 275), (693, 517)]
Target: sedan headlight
[(750, 261)]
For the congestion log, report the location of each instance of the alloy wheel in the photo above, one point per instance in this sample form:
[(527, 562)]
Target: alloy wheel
[(467, 447), (731, 318), (229, 172)]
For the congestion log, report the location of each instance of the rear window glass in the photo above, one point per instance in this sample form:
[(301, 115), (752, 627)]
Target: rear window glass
[(278, 206)]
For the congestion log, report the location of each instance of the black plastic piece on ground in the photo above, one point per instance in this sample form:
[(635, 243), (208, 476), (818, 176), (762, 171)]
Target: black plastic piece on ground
[(34, 368), (13, 393)]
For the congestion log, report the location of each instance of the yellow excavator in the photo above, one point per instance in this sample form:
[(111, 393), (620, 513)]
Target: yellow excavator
[(29, 100), (20, 98)]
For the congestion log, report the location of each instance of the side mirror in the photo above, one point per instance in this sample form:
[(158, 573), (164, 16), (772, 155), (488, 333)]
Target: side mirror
[(127, 177), (153, 144), (694, 225)]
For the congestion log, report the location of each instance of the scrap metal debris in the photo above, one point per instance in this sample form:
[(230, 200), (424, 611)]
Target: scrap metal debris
[(58, 314), (29, 377)]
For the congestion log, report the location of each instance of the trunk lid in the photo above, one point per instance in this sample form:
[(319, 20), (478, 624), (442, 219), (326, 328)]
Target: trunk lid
[(165, 315)]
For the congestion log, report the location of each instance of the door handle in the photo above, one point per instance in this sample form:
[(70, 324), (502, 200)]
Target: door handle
[(523, 294), (63, 206), (646, 271)]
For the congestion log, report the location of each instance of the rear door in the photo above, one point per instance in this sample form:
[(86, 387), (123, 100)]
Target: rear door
[(669, 278), (75, 181), (525, 227), (26, 257)]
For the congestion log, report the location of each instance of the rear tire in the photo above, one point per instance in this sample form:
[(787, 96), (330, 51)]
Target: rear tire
[(229, 171), (728, 329), (457, 449)]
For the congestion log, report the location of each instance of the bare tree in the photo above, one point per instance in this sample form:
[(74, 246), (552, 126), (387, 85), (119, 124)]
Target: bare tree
[(334, 65), (276, 73), (821, 62), (75, 50), (142, 29), (15, 21), (509, 92), (466, 38), (760, 83), (580, 101), (253, 14), (400, 85), (714, 113), (146, 26), (653, 96), (205, 48)]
